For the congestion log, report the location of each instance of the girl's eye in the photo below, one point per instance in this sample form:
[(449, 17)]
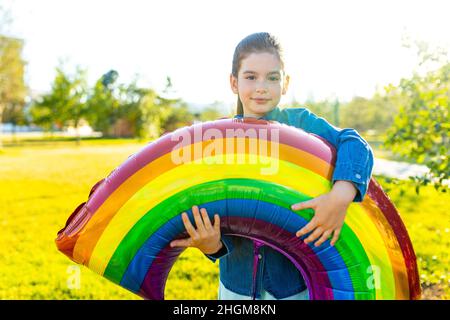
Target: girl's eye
[(271, 78)]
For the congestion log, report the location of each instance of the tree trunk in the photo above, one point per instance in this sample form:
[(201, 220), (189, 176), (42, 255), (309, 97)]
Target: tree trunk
[(77, 130), (78, 135)]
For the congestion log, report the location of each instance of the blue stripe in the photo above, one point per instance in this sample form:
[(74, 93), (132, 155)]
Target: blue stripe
[(268, 212)]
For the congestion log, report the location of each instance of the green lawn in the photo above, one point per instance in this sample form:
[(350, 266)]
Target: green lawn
[(42, 183)]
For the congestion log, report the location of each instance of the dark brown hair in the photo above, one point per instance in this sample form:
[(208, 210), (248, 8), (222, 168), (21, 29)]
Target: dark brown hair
[(255, 43)]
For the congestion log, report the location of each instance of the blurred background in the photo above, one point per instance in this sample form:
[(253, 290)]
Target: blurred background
[(85, 84)]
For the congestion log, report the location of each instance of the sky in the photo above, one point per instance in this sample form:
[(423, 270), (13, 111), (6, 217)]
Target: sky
[(333, 49)]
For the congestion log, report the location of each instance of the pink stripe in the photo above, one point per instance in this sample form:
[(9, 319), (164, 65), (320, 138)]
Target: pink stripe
[(288, 135)]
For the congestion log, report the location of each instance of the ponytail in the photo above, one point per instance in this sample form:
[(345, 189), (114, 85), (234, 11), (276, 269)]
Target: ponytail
[(240, 107)]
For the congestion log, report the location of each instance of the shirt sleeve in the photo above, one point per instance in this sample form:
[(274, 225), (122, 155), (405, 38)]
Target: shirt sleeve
[(226, 249), (354, 156)]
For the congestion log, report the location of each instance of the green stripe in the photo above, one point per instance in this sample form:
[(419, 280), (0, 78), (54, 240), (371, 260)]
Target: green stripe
[(349, 247)]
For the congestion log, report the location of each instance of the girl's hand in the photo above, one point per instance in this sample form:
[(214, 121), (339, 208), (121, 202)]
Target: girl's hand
[(329, 213), (206, 237)]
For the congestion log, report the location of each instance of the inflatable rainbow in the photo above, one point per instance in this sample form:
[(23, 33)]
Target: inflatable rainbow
[(250, 173)]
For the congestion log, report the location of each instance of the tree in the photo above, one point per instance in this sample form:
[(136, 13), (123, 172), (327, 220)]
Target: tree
[(176, 113), (421, 130), (128, 110), (376, 113), (178, 116), (12, 85), (213, 111), (104, 103), (65, 104), (323, 108), (140, 112)]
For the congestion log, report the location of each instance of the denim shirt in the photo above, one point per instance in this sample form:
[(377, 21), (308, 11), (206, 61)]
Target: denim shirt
[(275, 272)]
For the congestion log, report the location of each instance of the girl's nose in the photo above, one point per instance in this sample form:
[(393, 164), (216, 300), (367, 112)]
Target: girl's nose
[(261, 88)]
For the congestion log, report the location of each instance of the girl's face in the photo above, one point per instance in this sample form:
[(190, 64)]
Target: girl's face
[(260, 83)]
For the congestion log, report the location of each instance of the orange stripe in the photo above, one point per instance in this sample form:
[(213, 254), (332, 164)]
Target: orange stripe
[(90, 234)]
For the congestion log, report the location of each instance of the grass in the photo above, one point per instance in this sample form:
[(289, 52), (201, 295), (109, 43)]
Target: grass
[(41, 184), (427, 219)]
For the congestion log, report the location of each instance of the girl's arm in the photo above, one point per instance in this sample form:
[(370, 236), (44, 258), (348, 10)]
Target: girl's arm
[(351, 176), (354, 156), (227, 247)]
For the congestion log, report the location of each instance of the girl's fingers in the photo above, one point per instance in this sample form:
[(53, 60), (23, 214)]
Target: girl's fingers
[(336, 234), (217, 222), (189, 228), (181, 243), (312, 237), (198, 220), (304, 205), (206, 220), (323, 238), (308, 228)]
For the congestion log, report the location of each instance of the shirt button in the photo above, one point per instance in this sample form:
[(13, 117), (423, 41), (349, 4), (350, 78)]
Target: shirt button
[(259, 256), (358, 176)]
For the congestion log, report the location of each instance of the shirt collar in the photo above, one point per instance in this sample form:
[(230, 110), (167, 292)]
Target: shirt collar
[(268, 116)]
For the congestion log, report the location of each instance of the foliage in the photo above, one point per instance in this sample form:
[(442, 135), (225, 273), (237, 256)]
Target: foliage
[(322, 108), (103, 103), (362, 114), (426, 217), (214, 111), (12, 85), (178, 116), (65, 104), (118, 109), (421, 130), (139, 108), (412, 117)]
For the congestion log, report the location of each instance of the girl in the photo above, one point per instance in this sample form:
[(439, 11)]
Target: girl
[(247, 268)]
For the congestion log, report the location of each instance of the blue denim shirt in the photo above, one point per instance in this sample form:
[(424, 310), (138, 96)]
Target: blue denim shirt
[(275, 272)]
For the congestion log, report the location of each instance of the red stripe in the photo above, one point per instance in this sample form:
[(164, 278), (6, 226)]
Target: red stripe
[(390, 212), (288, 135)]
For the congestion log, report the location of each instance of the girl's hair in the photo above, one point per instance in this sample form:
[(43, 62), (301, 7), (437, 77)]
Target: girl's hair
[(255, 43)]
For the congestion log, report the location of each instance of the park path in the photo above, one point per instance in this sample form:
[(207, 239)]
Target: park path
[(397, 169), (400, 170)]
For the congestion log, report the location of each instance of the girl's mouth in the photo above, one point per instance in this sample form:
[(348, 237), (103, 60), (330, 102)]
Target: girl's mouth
[(261, 101)]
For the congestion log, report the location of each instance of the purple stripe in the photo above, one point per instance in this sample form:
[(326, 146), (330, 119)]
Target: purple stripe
[(256, 245), (285, 242), (288, 135)]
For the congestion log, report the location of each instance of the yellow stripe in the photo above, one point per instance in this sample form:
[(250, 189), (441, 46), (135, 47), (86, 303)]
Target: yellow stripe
[(188, 175), (91, 232), (362, 225)]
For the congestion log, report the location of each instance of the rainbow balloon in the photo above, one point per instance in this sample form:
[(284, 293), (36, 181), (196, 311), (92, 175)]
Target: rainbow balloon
[(250, 173)]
